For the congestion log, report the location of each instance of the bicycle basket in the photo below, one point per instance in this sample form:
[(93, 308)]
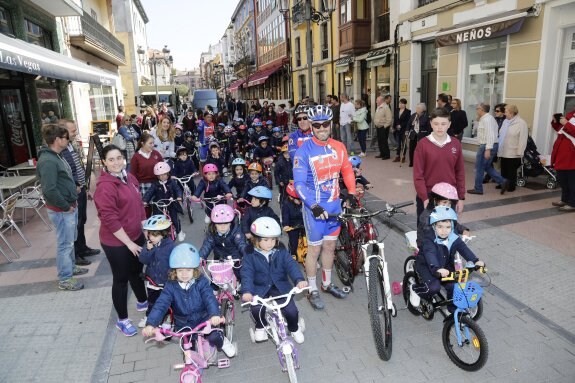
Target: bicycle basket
[(222, 273), (466, 295), (268, 160)]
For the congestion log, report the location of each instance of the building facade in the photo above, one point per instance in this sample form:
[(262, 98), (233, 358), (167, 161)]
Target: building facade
[(244, 42)]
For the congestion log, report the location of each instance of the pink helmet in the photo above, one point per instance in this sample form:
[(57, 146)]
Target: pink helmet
[(210, 168), (222, 214), (161, 168), (445, 190)]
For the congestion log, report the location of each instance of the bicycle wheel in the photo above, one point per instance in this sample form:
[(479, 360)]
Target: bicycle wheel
[(410, 278), (227, 311), (409, 264), (190, 211), (379, 314), (343, 260), (290, 367), (472, 354)]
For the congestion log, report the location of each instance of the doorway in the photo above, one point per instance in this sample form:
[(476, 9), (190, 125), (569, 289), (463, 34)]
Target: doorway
[(566, 99), (428, 74)]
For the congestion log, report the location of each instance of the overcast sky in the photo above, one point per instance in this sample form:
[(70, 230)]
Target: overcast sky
[(188, 27)]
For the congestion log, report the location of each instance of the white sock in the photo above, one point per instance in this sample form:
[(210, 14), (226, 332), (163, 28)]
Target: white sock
[(312, 283), (326, 277)]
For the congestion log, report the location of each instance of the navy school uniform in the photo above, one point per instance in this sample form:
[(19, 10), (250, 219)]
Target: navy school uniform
[(283, 171), (261, 153), (211, 190), (239, 183), (219, 162), (251, 184), (231, 244), (253, 213), (167, 190), (292, 216), (185, 168), (157, 261)]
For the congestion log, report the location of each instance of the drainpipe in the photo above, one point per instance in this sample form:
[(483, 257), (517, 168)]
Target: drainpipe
[(396, 64)]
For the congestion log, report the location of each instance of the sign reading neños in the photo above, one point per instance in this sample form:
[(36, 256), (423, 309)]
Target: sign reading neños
[(475, 33)]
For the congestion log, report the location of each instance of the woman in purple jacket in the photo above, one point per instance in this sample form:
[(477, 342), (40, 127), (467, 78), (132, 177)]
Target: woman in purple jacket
[(121, 213)]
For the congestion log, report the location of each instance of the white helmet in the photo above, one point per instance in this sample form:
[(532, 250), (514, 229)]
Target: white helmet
[(319, 113), (266, 227)]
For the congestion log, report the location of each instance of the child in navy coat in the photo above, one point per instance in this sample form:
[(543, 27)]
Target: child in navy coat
[(292, 217), (260, 199), (184, 167), (211, 186)]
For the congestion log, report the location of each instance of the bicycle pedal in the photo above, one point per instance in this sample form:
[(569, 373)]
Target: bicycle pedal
[(179, 366), (223, 363)]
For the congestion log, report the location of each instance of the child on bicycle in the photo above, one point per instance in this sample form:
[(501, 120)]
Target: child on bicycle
[(211, 186), (256, 179), (191, 297), (283, 172), (166, 188), (215, 157), (239, 176), (156, 256), (442, 194), (263, 150), (292, 217), (276, 139), (438, 255), (265, 273), (260, 199), (224, 237), (184, 167)]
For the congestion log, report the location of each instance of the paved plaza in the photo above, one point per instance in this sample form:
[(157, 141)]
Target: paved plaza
[(53, 336)]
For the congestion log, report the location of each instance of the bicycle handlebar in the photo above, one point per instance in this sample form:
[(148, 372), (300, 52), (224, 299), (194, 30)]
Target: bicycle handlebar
[(463, 274), (267, 302), (161, 204), (395, 207), (161, 333), (287, 229), (185, 179)]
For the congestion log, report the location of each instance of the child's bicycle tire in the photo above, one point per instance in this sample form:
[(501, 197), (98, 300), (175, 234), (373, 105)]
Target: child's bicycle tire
[(227, 311), (408, 279), (477, 344)]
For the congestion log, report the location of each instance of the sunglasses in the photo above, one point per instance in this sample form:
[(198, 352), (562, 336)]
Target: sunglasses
[(325, 124), (301, 119), (497, 111)]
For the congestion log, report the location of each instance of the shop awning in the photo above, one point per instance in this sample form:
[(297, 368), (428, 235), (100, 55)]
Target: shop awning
[(484, 28), (24, 57), (344, 61), (261, 76), (235, 85), (378, 57)]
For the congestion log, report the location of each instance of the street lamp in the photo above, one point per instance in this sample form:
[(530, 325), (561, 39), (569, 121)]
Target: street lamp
[(165, 58), (222, 69), (284, 10)]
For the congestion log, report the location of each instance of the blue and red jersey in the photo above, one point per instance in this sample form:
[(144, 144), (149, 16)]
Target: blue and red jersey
[(296, 139)]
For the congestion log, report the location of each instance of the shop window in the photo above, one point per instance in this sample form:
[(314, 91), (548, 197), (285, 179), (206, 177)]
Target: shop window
[(324, 41), (345, 11), (5, 24), (361, 10), (37, 35), (303, 88), (297, 52), (321, 86), (429, 56), (383, 26), (484, 77), (102, 102), (49, 101)]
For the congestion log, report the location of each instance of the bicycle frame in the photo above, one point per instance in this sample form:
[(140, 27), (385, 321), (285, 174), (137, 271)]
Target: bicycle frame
[(160, 204), (380, 256)]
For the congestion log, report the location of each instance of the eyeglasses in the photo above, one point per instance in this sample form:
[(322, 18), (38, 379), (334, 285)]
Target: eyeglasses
[(497, 111), (325, 124), (301, 119)]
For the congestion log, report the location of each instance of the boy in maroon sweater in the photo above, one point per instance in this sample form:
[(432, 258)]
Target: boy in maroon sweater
[(438, 158)]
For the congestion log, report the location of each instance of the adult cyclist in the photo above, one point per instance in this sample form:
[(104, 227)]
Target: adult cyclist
[(205, 133), (316, 168), (303, 133)]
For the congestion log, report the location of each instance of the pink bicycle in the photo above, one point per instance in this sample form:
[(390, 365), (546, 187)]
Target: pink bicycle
[(195, 360), (162, 205)]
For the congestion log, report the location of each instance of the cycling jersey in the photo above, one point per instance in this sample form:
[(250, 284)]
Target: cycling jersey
[(296, 139), (204, 133)]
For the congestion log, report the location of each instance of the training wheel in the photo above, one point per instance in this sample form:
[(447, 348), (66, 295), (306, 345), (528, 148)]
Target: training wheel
[(301, 324), (252, 335)]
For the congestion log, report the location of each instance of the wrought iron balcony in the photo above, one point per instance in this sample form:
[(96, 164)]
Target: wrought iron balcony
[(297, 13), (422, 3), (88, 34)]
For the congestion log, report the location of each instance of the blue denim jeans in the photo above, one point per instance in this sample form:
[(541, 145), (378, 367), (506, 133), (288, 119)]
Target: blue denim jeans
[(346, 137), (483, 166), (66, 231)]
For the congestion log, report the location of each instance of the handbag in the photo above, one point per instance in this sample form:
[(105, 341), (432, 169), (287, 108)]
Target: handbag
[(412, 135), (119, 141)]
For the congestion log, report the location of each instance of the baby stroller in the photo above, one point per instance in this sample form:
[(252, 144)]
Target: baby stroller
[(532, 166)]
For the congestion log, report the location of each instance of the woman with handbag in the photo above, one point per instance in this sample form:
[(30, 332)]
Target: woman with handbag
[(419, 127)]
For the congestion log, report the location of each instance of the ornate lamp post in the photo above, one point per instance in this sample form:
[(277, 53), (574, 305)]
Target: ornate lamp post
[(164, 58)]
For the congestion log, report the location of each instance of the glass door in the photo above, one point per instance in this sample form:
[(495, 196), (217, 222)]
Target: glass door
[(13, 128)]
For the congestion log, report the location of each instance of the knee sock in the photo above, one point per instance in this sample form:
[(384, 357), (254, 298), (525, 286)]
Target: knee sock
[(326, 277), (312, 283)]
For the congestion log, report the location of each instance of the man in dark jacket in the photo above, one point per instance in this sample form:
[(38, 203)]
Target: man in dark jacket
[(61, 196)]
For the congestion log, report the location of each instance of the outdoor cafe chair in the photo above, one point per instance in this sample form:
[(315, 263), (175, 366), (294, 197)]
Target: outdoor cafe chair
[(7, 223), (31, 198)]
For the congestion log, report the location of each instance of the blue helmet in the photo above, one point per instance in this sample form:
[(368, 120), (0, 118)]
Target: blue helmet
[(355, 161), (184, 256), (222, 125), (277, 129), (269, 122), (261, 192), (263, 138), (442, 213), (238, 161), (157, 222), (257, 123), (251, 131), (320, 113)]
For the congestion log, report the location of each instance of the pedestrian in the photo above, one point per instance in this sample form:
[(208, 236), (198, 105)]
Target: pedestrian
[(438, 158), (335, 108), (487, 138), (72, 155), (418, 128), (382, 120), (120, 116), (189, 121), (443, 102), (131, 137), (458, 120), (164, 139), (402, 116), (316, 182), (282, 118), (512, 144), (500, 118), (346, 112), (359, 118), (563, 159), (143, 162), (61, 195), (121, 212)]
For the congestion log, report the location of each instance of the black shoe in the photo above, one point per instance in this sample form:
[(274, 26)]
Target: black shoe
[(473, 191), (385, 158), (82, 262), (87, 252), (334, 290), (498, 187), (504, 186), (486, 179), (315, 300), (380, 156)]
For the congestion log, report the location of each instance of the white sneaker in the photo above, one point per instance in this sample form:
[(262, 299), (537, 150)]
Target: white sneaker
[(362, 154), (298, 336), (181, 236), (260, 335), (414, 299), (207, 220), (229, 348), (142, 322)]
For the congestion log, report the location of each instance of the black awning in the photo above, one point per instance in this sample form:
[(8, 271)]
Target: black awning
[(482, 29), (378, 53), (20, 56), (344, 61)]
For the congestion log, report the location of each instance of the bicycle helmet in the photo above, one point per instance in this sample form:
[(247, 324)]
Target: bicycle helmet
[(157, 222), (442, 213), (222, 214), (228, 130), (161, 168), (284, 148), (277, 129), (445, 191), (242, 127), (290, 190), (221, 124), (184, 256), (188, 134), (208, 113), (266, 227), (261, 192), (178, 126), (213, 143), (319, 113), (251, 131), (262, 139), (256, 122), (209, 168), (285, 139), (269, 122), (181, 149), (255, 166), (238, 161), (301, 109), (355, 161)]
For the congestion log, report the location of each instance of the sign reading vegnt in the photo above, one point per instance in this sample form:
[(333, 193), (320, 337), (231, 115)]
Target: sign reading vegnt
[(19, 63), (476, 33)]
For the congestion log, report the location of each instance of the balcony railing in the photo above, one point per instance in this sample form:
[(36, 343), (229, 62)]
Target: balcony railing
[(84, 30), (297, 13), (422, 3)]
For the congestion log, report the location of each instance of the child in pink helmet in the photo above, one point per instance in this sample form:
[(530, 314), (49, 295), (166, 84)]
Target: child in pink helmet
[(211, 185)]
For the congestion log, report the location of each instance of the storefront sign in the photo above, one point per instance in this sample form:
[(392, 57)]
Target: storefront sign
[(484, 32)]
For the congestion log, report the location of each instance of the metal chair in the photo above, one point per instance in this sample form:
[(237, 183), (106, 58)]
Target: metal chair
[(31, 198), (7, 223)]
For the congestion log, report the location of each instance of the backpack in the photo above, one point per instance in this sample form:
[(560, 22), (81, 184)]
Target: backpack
[(368, 116), (119, 141)]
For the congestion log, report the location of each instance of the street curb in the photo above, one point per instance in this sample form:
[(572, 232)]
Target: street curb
[(102, 368)]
